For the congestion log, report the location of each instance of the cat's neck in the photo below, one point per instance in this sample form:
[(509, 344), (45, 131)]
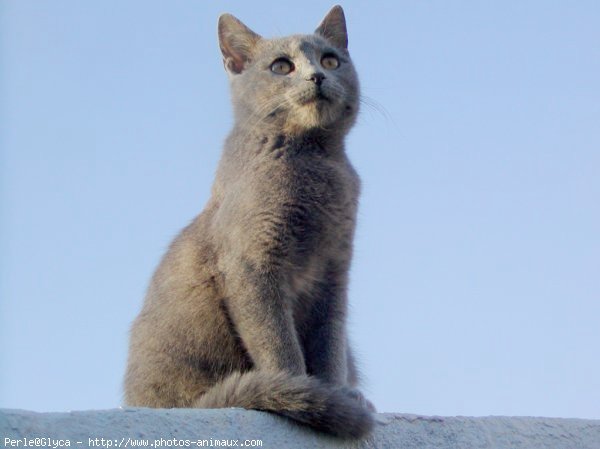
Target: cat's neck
[(325, 142)]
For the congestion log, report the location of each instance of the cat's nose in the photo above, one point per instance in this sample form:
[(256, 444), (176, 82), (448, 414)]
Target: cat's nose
[(317, 78)]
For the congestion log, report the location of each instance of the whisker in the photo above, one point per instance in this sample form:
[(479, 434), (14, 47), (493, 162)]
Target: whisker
[(259, 114), (376, 106)]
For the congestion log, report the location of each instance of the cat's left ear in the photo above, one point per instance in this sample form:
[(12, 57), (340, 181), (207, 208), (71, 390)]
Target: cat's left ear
[(237, 43), (333, 28)]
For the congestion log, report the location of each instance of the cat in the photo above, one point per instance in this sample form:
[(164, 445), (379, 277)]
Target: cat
[(248, 306)]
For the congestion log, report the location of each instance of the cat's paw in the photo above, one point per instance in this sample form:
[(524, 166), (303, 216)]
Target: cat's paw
[(361, 399)]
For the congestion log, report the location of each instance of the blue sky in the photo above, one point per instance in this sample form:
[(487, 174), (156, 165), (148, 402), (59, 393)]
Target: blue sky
[(475, 286)]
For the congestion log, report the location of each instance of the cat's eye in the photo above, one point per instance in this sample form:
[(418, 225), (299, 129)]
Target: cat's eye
[(330, 61), (282, 66)]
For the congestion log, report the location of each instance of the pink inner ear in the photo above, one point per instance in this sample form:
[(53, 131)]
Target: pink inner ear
[(232, 58), (237, 42), (232, 66)]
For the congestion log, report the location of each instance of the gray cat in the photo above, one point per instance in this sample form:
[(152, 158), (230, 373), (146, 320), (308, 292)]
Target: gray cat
[(248, 306)]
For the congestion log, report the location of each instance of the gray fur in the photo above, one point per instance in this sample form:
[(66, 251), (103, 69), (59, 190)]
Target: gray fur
[(248, 306)]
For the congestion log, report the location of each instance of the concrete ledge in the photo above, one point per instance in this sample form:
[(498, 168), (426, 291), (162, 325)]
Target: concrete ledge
[(120, 427)]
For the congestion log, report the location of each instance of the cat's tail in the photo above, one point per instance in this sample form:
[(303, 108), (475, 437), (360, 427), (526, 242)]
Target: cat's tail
[(305, 399)]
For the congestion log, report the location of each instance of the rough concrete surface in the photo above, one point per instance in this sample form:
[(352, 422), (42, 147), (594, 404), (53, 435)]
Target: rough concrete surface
[(217, 428)]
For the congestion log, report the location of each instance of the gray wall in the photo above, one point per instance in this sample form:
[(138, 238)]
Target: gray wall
[(119, 427)]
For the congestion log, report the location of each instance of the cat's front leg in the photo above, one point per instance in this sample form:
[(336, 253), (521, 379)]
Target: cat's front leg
[(325, 340), (262, 318), (331, 359)]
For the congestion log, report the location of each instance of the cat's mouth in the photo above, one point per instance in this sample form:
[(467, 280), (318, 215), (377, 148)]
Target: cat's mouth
[(314, 97), (318, 97), (321, 96)]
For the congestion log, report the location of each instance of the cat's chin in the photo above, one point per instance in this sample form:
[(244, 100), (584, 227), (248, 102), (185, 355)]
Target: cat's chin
[(316, 113), (314, 107)]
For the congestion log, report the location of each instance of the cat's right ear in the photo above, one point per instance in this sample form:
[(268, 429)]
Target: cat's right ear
[(237, 43)]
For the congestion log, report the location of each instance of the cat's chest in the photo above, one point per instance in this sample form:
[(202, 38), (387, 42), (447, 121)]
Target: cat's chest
[(303, 202), (307, 177)]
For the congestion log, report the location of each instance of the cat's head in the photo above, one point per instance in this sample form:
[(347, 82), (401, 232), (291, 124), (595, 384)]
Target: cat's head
[(296, 83)]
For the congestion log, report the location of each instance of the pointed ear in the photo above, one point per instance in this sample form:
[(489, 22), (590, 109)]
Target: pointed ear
[(333, 27), (237, 43)]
